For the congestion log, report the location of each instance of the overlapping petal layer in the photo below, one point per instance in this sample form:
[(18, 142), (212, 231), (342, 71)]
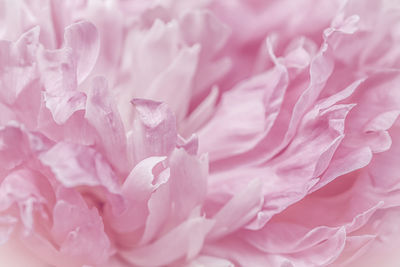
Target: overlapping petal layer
[(199, 133)]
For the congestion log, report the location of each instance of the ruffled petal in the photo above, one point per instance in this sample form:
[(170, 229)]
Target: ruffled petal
[(103, 115), (154, 130), (64, 69), (75, 165)]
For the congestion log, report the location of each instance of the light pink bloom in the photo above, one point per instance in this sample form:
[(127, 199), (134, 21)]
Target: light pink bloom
[(199, 133)]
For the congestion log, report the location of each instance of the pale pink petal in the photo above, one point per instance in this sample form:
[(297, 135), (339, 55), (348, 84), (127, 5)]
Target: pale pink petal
[(103, 115), (75, 165), (64, 69), (75, 130), (178, 74), (154, 131), (198, 117), (188, 174), (136, 190), (17, 145), (82, 38), (209, 261), (17, 65), (344, 161), (238, 211), (243, 254), (191, 145), (28, 193), (320, 69), (260, 98), (202, 27), (324, 253), (59, 78), (284, 237), (183, 241), (322, 137), (79, 230), (379, 249), (159, 209), (7, 225), (17, 255)]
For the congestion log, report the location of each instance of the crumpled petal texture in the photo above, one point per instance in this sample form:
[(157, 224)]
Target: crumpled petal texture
[(188, 133)]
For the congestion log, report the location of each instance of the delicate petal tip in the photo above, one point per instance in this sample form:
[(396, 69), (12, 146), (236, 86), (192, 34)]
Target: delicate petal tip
[(83, 38)]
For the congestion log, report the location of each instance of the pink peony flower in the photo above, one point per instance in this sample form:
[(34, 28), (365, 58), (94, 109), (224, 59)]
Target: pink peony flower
[(199, 133)]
